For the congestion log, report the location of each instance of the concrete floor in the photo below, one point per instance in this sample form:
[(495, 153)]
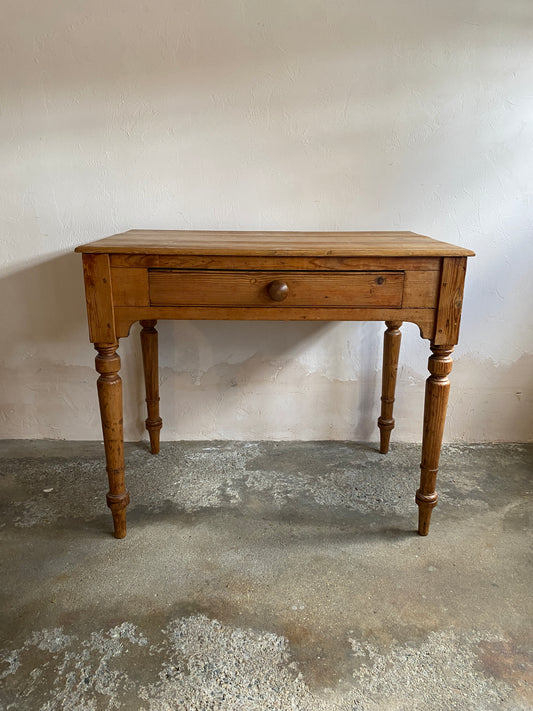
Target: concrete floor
[(265, 576)]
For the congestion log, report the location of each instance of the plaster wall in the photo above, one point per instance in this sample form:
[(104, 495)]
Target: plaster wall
[(265, 115)]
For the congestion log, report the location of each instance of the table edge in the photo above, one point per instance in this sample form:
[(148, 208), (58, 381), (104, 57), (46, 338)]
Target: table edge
[(435, 248)]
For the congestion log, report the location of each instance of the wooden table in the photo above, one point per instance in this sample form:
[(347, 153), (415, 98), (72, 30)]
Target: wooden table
[(146, 275)]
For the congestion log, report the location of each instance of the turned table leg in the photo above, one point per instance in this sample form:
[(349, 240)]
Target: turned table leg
[(436, 400), (391, 351), (151, 382), (110, 399)]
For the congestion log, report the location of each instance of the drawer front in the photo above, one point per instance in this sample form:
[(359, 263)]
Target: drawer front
[(174, 287)]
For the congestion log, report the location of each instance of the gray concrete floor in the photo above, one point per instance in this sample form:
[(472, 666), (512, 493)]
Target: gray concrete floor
[(265, 576)]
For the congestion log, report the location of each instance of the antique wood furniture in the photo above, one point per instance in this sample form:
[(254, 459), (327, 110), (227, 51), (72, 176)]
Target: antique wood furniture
[(146, 275)]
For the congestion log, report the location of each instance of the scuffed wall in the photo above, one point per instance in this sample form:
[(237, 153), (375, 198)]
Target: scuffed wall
[(265, 115)]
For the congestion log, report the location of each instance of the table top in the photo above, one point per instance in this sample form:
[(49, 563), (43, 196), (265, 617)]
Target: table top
[(287, 244)]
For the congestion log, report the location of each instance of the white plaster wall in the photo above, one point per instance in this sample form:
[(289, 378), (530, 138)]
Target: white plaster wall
[(228, 114)]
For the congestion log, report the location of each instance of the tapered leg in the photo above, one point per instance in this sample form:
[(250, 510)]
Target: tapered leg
[(110, 399), (391, 351), (436, 401), (151, 381)]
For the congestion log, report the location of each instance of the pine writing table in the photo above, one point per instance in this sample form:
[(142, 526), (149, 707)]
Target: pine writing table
[(146, 275)]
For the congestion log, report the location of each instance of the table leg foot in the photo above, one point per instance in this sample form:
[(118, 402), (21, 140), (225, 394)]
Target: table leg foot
[(110, 399), (151, 380), (118, 503), (436, 401), (425, 507), (391, 352)]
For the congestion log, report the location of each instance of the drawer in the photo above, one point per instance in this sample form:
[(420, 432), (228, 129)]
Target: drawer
[(175, 287)]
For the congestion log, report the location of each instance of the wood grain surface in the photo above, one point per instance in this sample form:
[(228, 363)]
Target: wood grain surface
[(288, 263), (226, 288), (343, 244)]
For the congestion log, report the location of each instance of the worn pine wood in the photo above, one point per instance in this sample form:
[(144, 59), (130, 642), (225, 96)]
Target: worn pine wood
[(99, 298), (110, 400), (435, 404), (387, 276), (130, 287), (254, 262), (125, 316), (340, 244), (421, 287), (151, 380), (450, 300), (232, 288), (391, 351)]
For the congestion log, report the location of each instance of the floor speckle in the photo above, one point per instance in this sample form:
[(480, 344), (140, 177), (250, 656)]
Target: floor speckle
[(265, 576)]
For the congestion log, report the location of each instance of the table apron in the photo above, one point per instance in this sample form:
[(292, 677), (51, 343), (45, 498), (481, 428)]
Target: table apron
[(125, 316)]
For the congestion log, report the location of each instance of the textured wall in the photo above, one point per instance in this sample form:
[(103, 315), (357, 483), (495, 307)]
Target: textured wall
[(227, 114)]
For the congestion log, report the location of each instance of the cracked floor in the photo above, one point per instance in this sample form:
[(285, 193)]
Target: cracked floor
[(265, 575)]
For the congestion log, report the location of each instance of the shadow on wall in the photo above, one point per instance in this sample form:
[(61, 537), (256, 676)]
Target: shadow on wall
[(48, 300), (214, 371), (45, 373), (280, 380)]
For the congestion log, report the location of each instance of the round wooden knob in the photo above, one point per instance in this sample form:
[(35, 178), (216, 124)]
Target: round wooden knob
[(278, 290)]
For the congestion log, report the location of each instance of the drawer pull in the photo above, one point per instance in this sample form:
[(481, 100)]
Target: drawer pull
[(278, 290)]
